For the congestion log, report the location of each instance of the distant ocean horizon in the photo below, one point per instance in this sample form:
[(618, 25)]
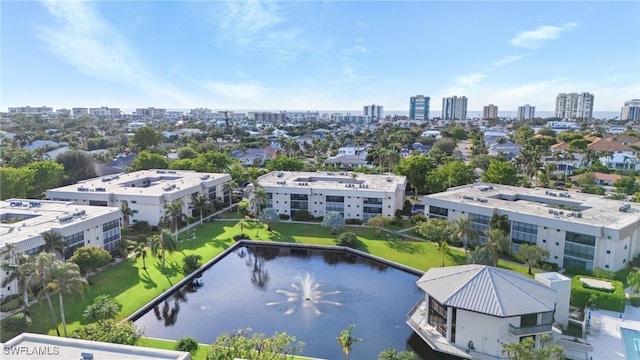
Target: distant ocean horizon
[(433, 113)]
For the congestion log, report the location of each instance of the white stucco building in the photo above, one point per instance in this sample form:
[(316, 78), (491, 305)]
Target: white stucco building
[(29, 346), (470, 311), (354, 195), (144, 192), (24, 221), (581, 231)]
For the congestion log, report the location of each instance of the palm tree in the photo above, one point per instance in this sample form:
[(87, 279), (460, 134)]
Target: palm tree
[(40, 278), (497, 242), (347, 341), (173, 213), (53, 242), (66, 279), (228, 188), (443, 247), (160, 243), (140, 251), (126, 212), (500, 222), (464, 231), (21, 270), (259, 198), (201, 203)]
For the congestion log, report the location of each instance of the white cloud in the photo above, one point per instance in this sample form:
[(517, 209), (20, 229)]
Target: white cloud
[(87, 42), (533, 39), (359, 48), (257, 25), (470, 79), (508, 59)]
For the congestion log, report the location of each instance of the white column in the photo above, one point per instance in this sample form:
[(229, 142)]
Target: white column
[(449, 317)]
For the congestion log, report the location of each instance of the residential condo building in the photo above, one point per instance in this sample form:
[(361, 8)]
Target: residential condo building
[(28, 110), (574, 106), (454, 108), (24, 222), (373, 113), (490, 112), (419, 107), (152, 113), (526, 112), (631, 110), (581, 231), (355, 196), (144, 192)]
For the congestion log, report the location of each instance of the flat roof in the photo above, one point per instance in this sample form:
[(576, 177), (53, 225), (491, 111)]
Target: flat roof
[(587, 209), (21, 219), (159, 182), (36, 346), (332, 180)]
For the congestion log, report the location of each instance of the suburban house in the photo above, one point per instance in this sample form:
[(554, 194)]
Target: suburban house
[(470, 311), (600, 178), (250, 157)]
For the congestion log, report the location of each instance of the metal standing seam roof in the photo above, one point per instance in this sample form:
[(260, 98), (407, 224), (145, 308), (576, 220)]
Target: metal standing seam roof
[(488, 290)]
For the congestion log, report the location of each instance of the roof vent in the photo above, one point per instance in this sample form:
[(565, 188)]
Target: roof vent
[(86, 356)]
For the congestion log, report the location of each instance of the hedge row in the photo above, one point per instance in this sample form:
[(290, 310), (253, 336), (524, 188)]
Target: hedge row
[(614, 301)]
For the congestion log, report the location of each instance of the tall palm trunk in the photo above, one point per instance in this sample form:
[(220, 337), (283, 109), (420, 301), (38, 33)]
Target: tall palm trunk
[(64, 322), (53, 313)]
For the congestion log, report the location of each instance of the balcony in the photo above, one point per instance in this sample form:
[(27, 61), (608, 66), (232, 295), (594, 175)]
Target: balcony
[(529, 330), (416, 320)]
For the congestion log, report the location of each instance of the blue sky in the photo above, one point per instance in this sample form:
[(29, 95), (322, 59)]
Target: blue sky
[(314, 55)]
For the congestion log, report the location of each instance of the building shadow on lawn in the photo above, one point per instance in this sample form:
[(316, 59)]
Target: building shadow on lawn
[(404, 246)]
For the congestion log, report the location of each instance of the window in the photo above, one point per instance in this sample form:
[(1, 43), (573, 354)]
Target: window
[(606, 266), (438, 316), (608, 251), (134, 201)]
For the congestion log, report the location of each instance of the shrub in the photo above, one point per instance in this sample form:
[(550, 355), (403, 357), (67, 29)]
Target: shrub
[(283, 216), (187, 344), (10, 305), (614, 301), (142, 238), (141, 227), (601, 273), (347, 239), (17, 323), (191, 263), (353, 222), (635, 301), (8, 298), (301, 215), (418, 218)]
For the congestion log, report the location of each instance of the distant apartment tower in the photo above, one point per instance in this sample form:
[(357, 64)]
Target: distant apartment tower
[(574, 106), (419, 107), (631, 110), (373, 113), (267, 117), (454, 108), (152, 113), (77, 111), (490, 112), (526, 112), (201, 114), (105, 112), (28, 110)]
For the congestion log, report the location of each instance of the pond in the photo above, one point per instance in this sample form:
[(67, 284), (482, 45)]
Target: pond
[(310, 293)]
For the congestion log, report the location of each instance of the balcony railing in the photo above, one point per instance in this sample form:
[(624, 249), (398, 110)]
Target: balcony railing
[(529, 330)]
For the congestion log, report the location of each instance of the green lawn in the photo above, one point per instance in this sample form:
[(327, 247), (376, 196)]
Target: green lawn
[(134, 287)]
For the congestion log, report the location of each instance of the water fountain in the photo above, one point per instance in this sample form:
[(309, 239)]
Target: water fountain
[(308, 293)]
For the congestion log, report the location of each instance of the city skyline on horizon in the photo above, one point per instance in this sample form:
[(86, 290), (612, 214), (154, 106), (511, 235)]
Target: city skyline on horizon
[(316, 56)]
